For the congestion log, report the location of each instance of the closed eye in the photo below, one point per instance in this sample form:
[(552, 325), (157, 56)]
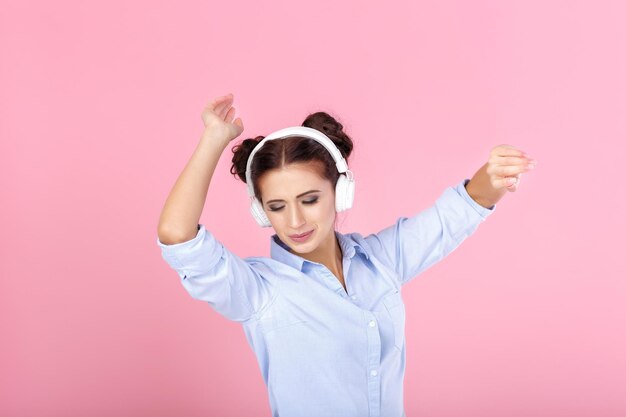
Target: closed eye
[(310, 201)]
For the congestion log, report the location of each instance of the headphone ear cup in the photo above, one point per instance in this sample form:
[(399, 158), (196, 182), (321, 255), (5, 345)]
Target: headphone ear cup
[(350, 193), (344, 193), (259, 215)]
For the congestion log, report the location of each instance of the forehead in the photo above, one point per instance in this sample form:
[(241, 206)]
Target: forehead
[(291, 180)]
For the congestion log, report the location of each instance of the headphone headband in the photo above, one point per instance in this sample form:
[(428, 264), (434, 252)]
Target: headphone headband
[(307, 132)]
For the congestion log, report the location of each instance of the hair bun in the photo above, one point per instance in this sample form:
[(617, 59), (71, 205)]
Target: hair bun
[(332, 128), (241, 153)]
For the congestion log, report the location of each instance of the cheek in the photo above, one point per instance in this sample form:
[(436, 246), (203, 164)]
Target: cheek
[(328, 210), (276, 219)]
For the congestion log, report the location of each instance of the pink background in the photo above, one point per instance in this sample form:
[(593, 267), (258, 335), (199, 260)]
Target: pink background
[(100, 110)]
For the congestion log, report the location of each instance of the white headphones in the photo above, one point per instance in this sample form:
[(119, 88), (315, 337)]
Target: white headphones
[(344, 191)]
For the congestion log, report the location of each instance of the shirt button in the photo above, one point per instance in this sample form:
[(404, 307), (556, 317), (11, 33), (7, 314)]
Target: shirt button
[(353, 297), (374, 372), (372, 323)]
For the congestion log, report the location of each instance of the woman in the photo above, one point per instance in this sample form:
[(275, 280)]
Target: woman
[(324, 314)]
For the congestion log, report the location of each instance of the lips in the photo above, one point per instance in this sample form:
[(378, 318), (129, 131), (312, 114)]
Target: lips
[(301, 235)]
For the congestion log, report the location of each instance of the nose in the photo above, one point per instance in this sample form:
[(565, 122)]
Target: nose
[(296, 219)]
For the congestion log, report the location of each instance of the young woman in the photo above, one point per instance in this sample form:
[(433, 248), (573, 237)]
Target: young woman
[(324, 314)]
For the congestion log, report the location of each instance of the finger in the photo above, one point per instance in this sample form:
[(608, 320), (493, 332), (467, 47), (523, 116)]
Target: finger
[(525, 160), (514, 187), (230, 115), (509, 170), (508, 160), (504, 182), (222, 107), (217, 100), (506, 150)]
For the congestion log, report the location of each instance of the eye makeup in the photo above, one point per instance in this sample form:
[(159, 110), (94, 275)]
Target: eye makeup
[(309, 201)]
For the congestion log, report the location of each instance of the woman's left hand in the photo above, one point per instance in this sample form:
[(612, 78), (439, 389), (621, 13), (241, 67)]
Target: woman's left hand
[(506, 165)]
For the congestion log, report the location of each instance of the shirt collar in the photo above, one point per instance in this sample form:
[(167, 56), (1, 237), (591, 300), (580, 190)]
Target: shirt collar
[(279, 250)]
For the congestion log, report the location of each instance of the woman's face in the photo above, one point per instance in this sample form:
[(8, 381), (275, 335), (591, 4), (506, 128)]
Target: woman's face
[(297, 200)]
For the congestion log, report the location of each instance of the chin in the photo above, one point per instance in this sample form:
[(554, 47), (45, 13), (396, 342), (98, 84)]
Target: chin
[(305, 247)]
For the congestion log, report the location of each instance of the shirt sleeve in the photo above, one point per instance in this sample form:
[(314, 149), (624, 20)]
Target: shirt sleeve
[(211, 273), (414, 244)]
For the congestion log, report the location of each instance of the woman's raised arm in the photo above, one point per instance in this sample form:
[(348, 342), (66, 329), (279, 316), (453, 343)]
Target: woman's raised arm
[(181, 213)]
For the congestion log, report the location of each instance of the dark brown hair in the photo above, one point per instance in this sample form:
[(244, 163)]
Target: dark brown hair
[(278, 153)]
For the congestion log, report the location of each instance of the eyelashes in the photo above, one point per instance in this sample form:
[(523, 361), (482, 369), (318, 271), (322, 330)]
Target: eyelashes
[(308, 202)]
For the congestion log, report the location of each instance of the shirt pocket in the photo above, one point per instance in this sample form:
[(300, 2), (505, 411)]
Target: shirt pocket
[(395, 308)]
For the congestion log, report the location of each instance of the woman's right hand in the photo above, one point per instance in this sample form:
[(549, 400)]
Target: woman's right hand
[(218, 119)]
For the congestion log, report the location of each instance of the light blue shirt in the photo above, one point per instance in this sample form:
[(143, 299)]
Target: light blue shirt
[(322, 351)]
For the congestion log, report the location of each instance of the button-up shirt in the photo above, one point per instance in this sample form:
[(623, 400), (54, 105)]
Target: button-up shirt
[(326, 351)]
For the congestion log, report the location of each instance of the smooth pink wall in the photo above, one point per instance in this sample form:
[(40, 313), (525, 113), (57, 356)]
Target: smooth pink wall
[(100, 110)]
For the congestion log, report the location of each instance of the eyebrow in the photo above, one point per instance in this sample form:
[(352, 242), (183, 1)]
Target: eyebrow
[(298, 196)]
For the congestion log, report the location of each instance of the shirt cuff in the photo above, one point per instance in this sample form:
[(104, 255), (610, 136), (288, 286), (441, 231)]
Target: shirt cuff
[(196, 254), (200, 231), (484, 212)]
